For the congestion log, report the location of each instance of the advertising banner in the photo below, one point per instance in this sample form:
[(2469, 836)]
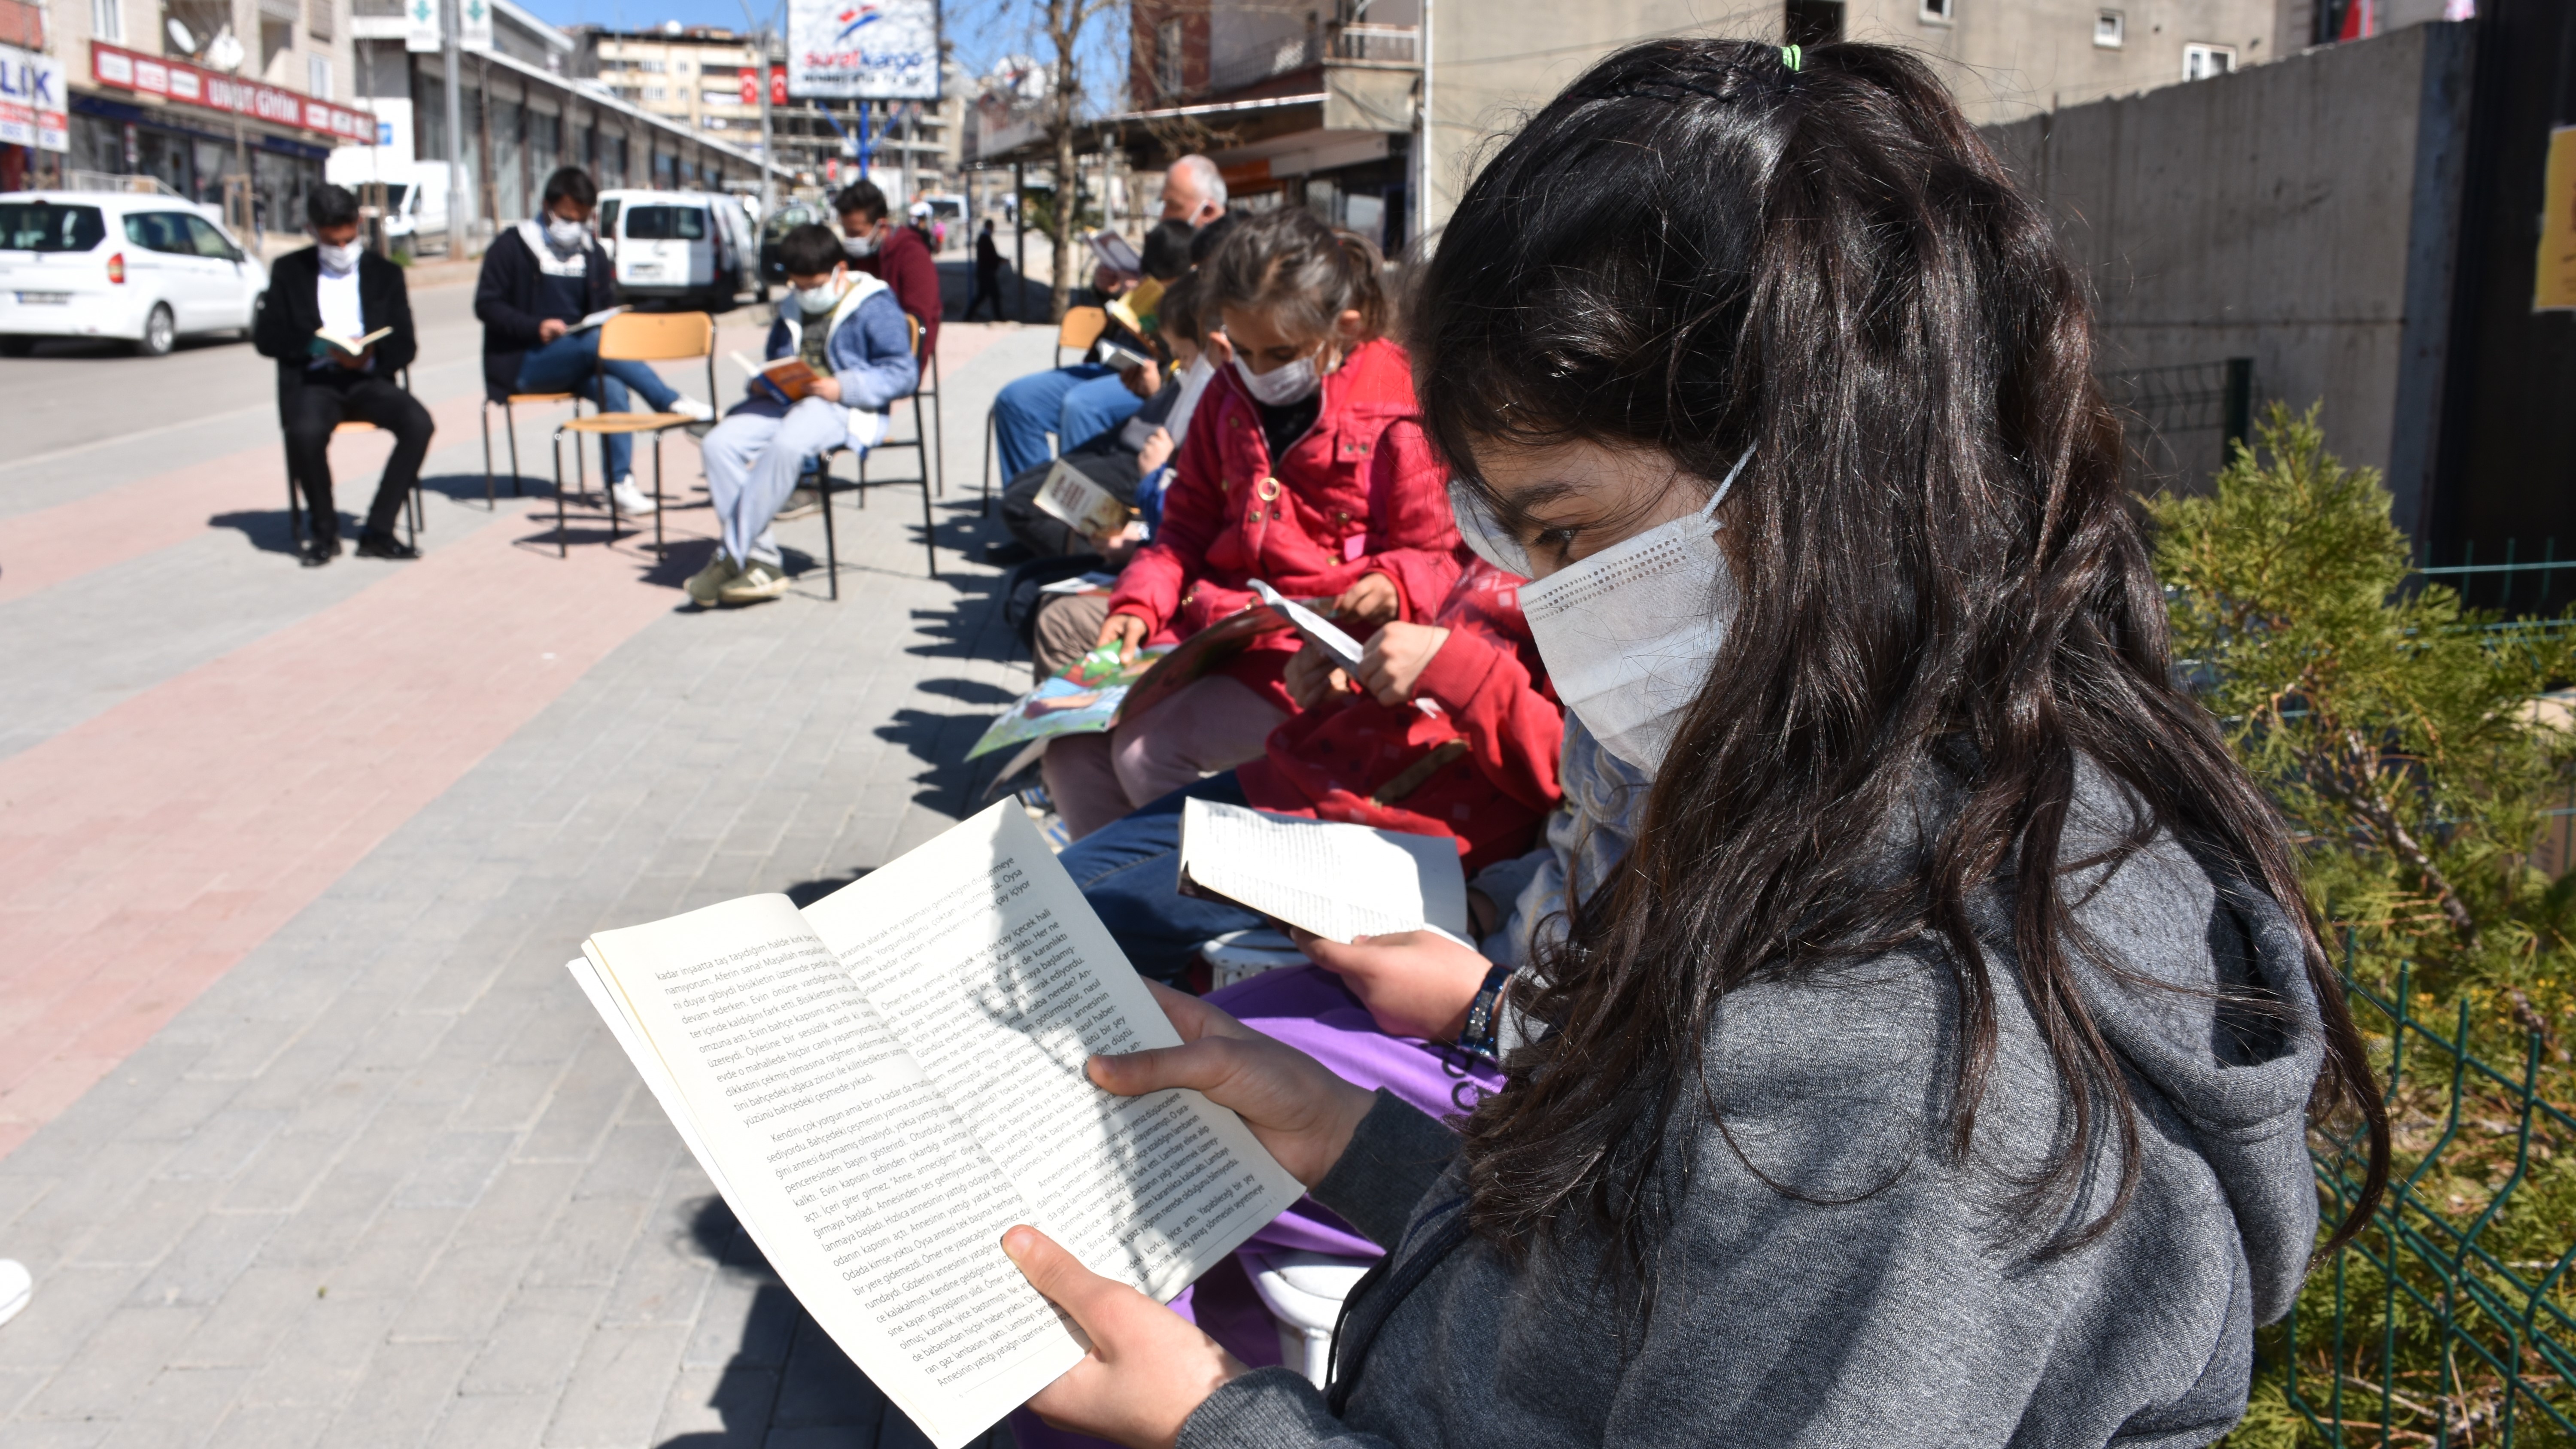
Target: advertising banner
[(420, 27), (32, 100), (185, 84), (474, 25), (876, 50)]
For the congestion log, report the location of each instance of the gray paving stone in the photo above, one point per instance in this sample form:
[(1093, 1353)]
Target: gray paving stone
[(397, 1183)]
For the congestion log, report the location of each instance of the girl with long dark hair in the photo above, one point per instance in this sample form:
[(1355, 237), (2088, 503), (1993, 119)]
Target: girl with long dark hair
[(1935, 1065)]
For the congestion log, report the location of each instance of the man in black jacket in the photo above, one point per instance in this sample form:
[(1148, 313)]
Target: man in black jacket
[(339, 287), (539, 279)]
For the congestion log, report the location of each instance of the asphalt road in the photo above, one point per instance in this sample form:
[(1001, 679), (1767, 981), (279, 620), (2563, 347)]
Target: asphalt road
[(53, 399)]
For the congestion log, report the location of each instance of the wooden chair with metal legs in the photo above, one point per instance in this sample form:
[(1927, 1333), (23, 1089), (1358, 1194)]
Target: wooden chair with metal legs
[(413, 517), (508, 404), (635, 337), (823, 480)]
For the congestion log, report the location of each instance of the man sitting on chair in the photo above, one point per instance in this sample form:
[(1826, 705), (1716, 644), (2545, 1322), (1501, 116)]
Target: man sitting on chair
[(339, 287), (849, 330), (539, 279)]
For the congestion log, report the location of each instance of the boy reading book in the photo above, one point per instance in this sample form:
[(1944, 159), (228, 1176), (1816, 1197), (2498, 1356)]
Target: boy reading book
[(847, 331)]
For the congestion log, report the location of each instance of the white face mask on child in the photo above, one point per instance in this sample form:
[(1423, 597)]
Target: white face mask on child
[(338, 259), (818, 300), (1628, 634), (1289, 382), (565, 236)]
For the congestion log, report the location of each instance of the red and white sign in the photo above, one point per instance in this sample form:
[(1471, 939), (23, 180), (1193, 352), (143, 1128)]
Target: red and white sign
[(215, 91), (33, 101)]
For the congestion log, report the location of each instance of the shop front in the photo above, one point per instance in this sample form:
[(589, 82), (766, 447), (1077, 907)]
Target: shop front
[(33, 126), (199, 131)]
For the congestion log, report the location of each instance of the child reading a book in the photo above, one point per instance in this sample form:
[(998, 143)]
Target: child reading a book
[(1937, 1067), (1305, 466), (855, 348)]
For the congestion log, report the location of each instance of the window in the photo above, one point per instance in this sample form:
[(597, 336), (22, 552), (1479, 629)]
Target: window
[(317, 76), (1935, 12), (160, 231), (652, 93), (107, 20), (2200, 62), (42, 226), (2110, 28), (210, 242), (1167, 58), (666, 223)]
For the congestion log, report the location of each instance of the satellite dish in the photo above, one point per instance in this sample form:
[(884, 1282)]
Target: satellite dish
[(224, 52), (185, 43)]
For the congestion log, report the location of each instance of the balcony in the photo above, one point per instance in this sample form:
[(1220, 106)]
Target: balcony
[(1391, 47)]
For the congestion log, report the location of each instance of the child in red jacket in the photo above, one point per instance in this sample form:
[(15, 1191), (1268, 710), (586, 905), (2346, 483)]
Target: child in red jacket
[(1306, 467), (1478, 765)]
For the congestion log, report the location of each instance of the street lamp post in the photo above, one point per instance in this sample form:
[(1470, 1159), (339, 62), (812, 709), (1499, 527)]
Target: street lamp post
[(454, 61)]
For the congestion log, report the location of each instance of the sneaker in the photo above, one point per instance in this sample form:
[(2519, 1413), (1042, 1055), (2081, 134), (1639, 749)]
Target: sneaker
[(707, 585), (631, 499), (692, 409), (17, 1285), (761, 580), (384, 545), (319, 552), (801, 501)]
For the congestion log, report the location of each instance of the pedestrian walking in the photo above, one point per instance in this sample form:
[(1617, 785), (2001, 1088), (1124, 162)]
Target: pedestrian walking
[(988, 274)]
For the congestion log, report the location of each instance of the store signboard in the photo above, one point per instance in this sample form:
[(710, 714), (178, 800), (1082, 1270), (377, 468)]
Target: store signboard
[(178, 81), (420, 27), (877, 50), (33, 102), (474, 25)]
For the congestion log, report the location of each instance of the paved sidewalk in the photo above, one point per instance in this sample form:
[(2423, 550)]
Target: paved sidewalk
[(384, 1181)]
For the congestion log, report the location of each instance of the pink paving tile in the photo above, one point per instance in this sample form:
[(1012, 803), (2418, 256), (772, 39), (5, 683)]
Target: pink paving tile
[(159, 842)]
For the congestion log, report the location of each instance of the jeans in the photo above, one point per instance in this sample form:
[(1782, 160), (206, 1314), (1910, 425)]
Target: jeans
[(1130, 872), (571, 363), (1077, 404), (753, 458)]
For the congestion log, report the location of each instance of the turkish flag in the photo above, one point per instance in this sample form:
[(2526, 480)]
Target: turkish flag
[(750, 89), (778, 87)]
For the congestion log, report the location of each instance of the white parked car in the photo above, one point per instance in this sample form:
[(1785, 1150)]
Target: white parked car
[(148, 269), (694, 246)]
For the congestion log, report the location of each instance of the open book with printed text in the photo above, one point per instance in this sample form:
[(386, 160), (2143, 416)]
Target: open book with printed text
[(325, 343), (1330, 877), (881, 1083)]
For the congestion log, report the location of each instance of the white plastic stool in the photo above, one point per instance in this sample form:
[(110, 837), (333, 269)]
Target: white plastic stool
[(1304, 1291), (1240, 955)]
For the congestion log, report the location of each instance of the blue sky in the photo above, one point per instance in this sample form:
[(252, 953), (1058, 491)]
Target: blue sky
[(981, 30)]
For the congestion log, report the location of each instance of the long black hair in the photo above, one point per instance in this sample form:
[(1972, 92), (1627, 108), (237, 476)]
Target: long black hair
[(1696, 249)]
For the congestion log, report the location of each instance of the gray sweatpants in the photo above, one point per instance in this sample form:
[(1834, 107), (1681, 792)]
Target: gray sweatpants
[(753, 459)]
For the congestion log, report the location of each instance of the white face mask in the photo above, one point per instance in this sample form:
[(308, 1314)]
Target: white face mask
[(1289, 382), (1629, 633), (861, 246), (816, 300), (340, 258), (565, 236)]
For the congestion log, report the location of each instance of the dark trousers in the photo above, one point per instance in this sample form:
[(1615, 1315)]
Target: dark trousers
[(1130, 872), (987, 288), (330, 396)]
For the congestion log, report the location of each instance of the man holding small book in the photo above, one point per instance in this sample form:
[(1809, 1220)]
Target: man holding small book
[(338, 320), (847, 356)]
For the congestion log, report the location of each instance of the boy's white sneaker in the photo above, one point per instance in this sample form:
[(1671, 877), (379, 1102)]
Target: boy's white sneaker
[(17, 1285), (631, 499), (693, 409)]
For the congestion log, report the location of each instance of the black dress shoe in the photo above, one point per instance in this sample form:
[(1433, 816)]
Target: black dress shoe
[(320, 551), (385, 545)]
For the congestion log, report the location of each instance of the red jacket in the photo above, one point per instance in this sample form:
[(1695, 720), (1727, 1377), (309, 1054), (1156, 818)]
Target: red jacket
[(904, 263), (1489, 685), (1359, 494)]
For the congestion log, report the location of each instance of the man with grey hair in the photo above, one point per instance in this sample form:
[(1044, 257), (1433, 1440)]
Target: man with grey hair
[(1084, 401)]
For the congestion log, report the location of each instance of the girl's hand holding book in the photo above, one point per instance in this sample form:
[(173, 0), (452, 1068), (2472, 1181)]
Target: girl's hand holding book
[(1148, 1368), (1126, 631), (1414, 983), (826, 388), (1373, 600)]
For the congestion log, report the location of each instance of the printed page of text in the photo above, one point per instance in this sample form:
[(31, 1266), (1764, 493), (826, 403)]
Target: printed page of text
[(870, 1195), (981, 952), (1334, 879)]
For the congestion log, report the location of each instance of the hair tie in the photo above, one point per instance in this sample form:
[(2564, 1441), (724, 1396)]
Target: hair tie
[(1791, 57)]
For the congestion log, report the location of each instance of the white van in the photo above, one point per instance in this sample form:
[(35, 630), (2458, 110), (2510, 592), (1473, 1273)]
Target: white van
[(145, 268), (693, 246), (415, 191)]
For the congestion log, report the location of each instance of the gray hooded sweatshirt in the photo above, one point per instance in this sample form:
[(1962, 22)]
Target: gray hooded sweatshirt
[(1912, 1314)]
